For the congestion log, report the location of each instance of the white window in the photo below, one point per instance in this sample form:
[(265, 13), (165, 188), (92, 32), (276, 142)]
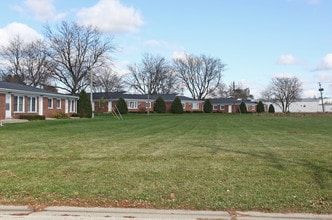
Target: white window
[(132, 104), (222, 107), (50, 103), (18, 103), (215, 107), (58, 103), (195, 105), (148, 104), (31, 104), (72, 105)]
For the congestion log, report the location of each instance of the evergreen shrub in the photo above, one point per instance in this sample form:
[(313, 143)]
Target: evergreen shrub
[(177, 107), (260, 107), (243, 108), (159, 105), (84, 108), (271, 109), (207, 108), (122, 106)]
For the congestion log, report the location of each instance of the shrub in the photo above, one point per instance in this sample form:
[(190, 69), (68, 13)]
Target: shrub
[(84, 108), (177, 107), (243, 108), (74, 115), (260, 107), (32, 117), (122, 106), (207, 108), (59, 115), (271, 109), (159, 105)]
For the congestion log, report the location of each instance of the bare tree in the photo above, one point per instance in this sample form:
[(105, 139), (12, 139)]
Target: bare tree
[(76, 51), (108, 80), (201, 75), (283, 91), (26, 63), (13, 56), (237, 91), (38, 69), (153, 76)]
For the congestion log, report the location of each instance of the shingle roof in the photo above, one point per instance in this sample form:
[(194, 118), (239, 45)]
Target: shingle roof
[(117, 95), (9, 86), (229, 101)]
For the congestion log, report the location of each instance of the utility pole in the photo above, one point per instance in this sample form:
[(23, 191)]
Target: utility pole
[(91, 94), (321, 95)]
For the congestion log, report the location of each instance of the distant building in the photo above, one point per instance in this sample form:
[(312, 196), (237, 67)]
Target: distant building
[(306, 105)]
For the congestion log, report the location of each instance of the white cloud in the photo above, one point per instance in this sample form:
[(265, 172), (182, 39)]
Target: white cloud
[(42, 10), (111, 16), (13, 29), (287, 59), (326, 63), (285, 75)]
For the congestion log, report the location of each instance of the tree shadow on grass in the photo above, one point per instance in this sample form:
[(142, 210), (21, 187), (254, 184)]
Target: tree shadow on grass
[(320, 174)]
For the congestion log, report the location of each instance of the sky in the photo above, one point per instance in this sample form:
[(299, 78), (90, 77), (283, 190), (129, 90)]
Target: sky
[(256, 39)]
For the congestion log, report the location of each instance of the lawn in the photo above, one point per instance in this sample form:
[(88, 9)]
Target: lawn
[(189, 161)]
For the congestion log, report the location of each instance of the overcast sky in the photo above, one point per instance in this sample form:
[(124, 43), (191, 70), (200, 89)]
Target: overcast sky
[(256, 39)]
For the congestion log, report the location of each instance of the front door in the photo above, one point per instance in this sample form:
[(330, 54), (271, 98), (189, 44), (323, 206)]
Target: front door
[(8, 106), (230, 108)]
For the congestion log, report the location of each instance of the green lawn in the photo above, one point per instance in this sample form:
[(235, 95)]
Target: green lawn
[(192, 161)]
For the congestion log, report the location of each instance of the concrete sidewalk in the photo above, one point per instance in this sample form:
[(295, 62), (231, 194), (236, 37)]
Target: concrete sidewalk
[(75, 213)]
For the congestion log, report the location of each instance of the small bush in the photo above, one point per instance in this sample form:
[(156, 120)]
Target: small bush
[(122, 106), (32, 117), (177, 107), (160, 105), (271, 109), (207, 108), (243, 108), (260, 107), (59, 115), (74, 115)]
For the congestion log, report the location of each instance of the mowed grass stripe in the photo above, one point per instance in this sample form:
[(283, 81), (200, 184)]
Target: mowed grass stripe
[(197, 161)]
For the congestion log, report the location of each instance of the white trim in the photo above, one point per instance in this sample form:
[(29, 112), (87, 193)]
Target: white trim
[(41, 105), (8, 113)]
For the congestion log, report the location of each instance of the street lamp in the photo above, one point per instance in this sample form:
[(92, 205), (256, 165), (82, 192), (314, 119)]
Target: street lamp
[(321, 95)]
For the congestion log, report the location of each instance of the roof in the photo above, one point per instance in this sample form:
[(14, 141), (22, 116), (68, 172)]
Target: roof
[(229, 101), (20, 88), (117, 95)]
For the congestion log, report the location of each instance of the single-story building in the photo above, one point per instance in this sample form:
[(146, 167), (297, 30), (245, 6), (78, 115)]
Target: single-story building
[(17, 99), (106, 101), (230, 105)]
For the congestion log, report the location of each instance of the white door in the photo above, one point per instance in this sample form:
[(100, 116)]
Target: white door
[(109, 106), (8, 106), (229, 108)]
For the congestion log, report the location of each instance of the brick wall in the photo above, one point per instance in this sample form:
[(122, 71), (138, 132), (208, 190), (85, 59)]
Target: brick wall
[(2, 106)]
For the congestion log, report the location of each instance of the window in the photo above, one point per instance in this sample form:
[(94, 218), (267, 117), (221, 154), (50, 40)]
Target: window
[(215, 107), (50, 103), (58, 103), (31, 104), (132, 104), (18, 103), (148, 104), (195, 105), (222, 107), (72, 105)]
